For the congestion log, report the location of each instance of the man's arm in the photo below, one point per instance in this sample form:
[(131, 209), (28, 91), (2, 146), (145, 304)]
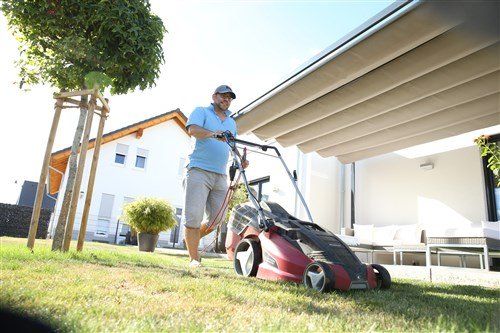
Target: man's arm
[(201, 133)]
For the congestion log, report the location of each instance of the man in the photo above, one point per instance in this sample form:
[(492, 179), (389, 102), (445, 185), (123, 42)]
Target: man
[(206, 180)]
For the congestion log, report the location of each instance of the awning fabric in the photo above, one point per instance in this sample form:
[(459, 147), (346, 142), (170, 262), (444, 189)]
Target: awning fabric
[(429, 70)]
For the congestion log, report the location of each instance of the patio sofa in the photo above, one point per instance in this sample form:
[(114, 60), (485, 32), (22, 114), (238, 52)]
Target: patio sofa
[(394, 239), (447, 238)]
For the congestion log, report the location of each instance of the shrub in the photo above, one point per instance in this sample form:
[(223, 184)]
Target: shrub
[(239, 196), (149, 215), (492, 152)]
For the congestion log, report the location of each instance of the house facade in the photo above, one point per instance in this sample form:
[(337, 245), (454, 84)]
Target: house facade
[(146, 159)]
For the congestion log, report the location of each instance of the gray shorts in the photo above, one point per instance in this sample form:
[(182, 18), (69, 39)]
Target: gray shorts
[(205, 192)]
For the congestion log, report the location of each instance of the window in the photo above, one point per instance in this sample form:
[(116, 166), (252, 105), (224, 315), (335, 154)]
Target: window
[(140, 159), (174, 232), (102, 227), (121, 153), (182, 166), (119, 158), (105, 211), (140, 162), (124, 226), (492, 190), (124, 230), (127, 200)]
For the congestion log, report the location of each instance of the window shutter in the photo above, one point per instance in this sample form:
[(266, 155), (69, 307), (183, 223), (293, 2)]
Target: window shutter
[(142, 152), (121, 149), (106, 206)]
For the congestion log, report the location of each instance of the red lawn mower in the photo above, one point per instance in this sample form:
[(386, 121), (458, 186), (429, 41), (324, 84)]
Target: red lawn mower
[(265, 241)]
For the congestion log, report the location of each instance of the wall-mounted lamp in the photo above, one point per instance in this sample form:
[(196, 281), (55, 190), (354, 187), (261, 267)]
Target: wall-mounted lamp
[(427, 166)]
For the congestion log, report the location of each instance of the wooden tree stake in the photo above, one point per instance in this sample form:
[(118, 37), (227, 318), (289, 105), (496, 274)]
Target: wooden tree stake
[(40, 191), (74, 93), (90, 186)]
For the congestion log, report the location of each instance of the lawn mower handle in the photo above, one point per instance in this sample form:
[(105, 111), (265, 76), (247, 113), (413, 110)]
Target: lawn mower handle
[(232, 141), (229, 137)]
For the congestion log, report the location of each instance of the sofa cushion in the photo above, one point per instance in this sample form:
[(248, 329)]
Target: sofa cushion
[(347, 231), (364, 233), (491, 229), (465, 232), (383, 236), (409, 234)]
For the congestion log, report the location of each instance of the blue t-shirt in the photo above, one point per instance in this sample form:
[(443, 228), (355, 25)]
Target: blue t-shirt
[(210, 154)]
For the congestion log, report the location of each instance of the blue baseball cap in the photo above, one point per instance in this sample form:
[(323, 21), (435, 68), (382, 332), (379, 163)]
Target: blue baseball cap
[(225, 89)]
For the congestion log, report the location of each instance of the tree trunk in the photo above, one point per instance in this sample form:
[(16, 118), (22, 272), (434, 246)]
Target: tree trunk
[(63, 216)]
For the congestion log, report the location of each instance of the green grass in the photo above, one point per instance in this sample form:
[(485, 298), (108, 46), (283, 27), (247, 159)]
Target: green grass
[(111, 288)]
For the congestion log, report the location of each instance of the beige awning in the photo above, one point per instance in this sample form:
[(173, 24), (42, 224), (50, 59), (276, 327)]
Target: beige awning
[(417, 72)]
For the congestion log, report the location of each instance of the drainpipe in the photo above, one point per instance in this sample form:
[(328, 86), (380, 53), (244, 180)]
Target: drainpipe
[(299, 176), (342, 194), (353, 192)]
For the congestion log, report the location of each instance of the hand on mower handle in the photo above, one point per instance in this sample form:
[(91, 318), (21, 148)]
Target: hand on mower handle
[(223, 136), (219, 135)]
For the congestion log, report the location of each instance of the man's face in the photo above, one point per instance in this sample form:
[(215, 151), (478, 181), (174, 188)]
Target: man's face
[(223, 101)]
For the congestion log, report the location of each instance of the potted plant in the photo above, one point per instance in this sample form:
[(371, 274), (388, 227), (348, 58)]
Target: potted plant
[(149, 216)]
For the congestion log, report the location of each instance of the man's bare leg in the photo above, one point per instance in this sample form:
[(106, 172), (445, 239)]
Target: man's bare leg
[(204, 230), (192, 239)]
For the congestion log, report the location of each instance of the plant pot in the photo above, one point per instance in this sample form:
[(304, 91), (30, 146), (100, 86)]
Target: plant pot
[(147, 242)]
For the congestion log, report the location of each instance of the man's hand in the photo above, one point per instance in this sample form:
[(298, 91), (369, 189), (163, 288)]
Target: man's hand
[(218, 135), (245, 164)]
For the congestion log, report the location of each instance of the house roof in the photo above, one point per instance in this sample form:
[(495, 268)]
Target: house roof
[(417, 72), (59, 159)]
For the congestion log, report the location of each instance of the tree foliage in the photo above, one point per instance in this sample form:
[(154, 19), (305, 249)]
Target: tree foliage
[(492, 152), (240, 196), (149, 215), (61, 41)]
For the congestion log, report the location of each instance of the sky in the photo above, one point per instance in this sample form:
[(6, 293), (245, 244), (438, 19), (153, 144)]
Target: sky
[(249, 45)]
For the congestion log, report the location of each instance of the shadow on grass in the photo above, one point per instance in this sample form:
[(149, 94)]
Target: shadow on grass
[(19, 320), (462, 308), (422, 306)]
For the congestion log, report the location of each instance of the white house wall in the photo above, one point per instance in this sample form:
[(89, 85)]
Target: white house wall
[(166, 144), (323, 193), (391, 189)]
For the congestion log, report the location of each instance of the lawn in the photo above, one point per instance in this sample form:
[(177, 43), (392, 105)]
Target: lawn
[(112, 288)]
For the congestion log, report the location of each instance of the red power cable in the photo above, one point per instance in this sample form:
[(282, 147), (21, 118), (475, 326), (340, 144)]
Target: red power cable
[(229, 194)]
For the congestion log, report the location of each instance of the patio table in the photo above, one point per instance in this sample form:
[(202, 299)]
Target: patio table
[(414, 248), (370, 250), (482, 246)]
